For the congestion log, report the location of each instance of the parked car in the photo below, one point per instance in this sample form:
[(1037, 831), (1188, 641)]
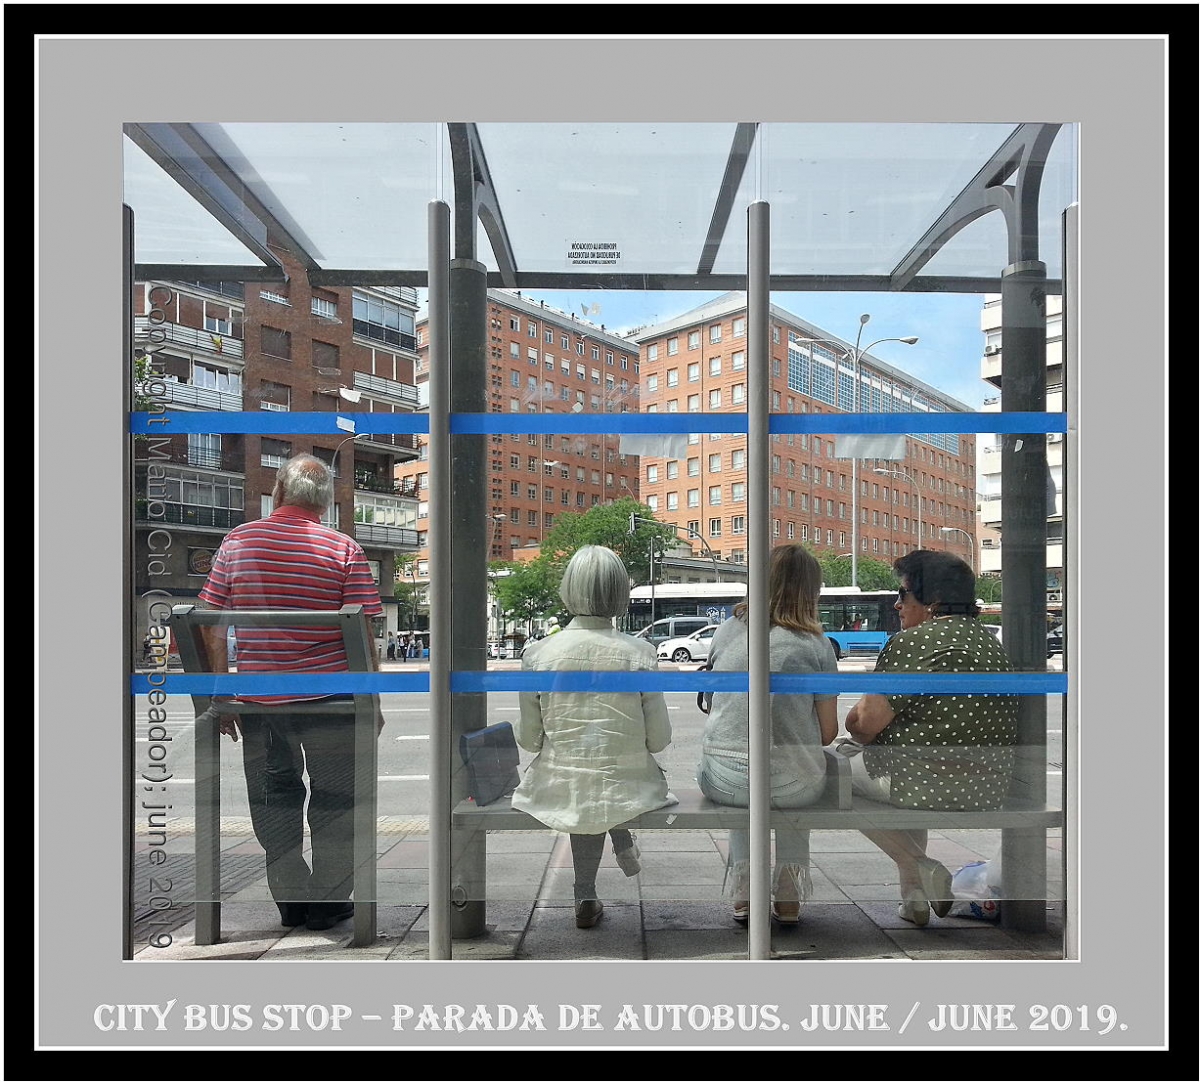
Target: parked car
[(672, 627), (497, 649), (1054, 638), (693, 647)]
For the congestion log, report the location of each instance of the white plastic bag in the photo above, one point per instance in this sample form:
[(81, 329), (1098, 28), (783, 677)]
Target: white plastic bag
[(976, 889)]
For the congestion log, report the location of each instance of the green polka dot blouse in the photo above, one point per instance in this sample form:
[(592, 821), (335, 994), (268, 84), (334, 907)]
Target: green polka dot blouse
[(949, 752)]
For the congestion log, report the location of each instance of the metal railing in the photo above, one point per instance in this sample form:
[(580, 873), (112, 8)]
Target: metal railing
[(191, 337), (389, 388)]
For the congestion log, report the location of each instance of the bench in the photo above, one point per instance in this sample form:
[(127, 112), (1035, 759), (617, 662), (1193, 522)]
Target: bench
[(187, 621), (1023, 824)]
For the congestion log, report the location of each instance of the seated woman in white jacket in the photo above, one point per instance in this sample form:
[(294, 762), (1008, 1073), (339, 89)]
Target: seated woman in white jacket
[(594, 770)]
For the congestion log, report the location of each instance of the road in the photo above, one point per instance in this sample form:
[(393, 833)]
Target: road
[(404, 750)]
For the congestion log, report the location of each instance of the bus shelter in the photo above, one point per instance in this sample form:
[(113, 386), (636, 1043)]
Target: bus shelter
[(758, 209)]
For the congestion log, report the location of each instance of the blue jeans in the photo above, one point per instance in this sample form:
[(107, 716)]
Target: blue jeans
[(726, 781)]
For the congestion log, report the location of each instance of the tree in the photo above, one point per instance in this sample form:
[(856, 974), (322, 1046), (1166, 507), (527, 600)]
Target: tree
[(529, 590), (406, 591), (872, 574), (608, 525)]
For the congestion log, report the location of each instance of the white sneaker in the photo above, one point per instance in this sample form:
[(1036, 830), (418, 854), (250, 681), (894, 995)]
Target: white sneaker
[(627, 860)]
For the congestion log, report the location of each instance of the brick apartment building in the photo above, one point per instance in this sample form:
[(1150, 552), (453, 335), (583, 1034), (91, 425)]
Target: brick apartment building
[(696, 363), (541, 360), (279, 347)]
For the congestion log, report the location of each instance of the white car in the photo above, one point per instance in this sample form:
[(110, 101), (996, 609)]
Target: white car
[(692, 647)]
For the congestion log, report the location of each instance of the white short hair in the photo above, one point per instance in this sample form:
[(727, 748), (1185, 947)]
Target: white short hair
[(595, 583)]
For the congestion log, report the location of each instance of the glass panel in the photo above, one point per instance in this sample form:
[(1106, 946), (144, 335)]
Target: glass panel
[(568, 375)]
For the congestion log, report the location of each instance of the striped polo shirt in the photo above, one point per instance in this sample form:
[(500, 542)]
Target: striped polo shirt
[(290, 560)]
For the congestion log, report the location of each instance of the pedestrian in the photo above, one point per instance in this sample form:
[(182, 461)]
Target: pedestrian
[(290, 560), (391, 646)]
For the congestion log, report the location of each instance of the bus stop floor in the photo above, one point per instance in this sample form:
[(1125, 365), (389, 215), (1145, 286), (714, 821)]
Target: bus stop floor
[(673, 910)]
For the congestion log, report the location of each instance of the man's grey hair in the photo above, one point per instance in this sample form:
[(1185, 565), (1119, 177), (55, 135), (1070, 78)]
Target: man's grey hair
[(595, 583), (304, 481)]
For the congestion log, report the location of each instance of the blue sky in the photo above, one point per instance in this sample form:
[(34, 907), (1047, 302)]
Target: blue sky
[(947, 357)]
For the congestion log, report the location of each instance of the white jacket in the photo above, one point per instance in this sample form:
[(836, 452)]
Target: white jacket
[(594, 769)]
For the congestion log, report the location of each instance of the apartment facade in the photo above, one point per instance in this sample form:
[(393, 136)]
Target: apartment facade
[(990, 503), (541, 360), (696, 363), (278, 347)]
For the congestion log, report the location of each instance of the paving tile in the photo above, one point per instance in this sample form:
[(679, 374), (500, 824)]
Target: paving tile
[(552, 935)]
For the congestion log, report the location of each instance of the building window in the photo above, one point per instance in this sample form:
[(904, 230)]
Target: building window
[(693, 372), (739, 327), (383, 321), (672, 501), (672, 469), (737, 459), (693, 497), (275, 396), (693, 403), (714, 496), (714, 366), (737, 492), (714, 398), (326, 309), (652, 502), (714, 527), (672, 377), (693, 467), (672, 346), (714, 333), (737, 524), (739, 393), (737, 361), (276, 343)]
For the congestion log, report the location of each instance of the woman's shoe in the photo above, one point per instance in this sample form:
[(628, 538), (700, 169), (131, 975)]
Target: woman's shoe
[(793, 887), (627, 859), (915, 909), (937, 885), (588, 912), (741, 911)]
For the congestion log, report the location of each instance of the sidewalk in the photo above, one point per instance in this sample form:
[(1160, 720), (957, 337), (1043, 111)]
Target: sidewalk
[(673, 910)]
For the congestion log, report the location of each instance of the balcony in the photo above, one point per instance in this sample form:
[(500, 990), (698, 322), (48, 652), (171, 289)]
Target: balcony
[(389, 537), (368, 482), (378, 387), (203, 398), (189, 514), (188, 337), (228, 459), (399, 443)]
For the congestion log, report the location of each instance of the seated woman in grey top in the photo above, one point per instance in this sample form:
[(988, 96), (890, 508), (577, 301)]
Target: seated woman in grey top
[(801, 724)]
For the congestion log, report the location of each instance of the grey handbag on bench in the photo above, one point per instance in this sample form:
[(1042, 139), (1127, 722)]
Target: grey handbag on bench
[(491, 757)]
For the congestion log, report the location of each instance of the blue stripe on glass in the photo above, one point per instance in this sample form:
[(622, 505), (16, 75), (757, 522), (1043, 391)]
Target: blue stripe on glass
[(169, 422), (234, 684), (268, 422)]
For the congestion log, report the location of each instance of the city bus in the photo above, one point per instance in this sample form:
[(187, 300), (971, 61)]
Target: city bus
[(858, 622)]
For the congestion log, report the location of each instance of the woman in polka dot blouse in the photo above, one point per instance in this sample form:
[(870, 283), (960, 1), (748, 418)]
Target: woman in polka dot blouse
[(949, 752)]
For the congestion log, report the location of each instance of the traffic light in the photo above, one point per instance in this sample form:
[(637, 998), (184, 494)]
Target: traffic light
[(632, 522)]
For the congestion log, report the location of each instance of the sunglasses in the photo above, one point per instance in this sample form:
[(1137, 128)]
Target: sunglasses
[(902, 593)]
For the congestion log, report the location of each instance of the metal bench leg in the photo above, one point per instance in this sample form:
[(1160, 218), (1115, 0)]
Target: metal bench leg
[(366, 759), (208, 832), (468, 882), (1023, 869)]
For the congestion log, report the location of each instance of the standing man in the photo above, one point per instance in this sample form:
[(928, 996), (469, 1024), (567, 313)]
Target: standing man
[(290, 560)]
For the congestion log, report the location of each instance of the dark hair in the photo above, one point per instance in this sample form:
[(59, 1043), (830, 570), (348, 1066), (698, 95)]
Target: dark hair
[(794, 588), (940, 580)]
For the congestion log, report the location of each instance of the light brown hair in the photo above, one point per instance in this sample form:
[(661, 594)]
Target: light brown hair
[(793, 590)]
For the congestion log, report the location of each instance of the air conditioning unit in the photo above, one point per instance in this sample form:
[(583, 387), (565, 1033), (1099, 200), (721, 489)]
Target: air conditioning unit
[(1054, 437), (990, 351)]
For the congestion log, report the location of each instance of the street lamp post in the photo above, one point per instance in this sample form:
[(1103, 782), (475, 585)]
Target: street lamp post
[(970, 542), (634, 519), (906, 476), (856, 355)]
